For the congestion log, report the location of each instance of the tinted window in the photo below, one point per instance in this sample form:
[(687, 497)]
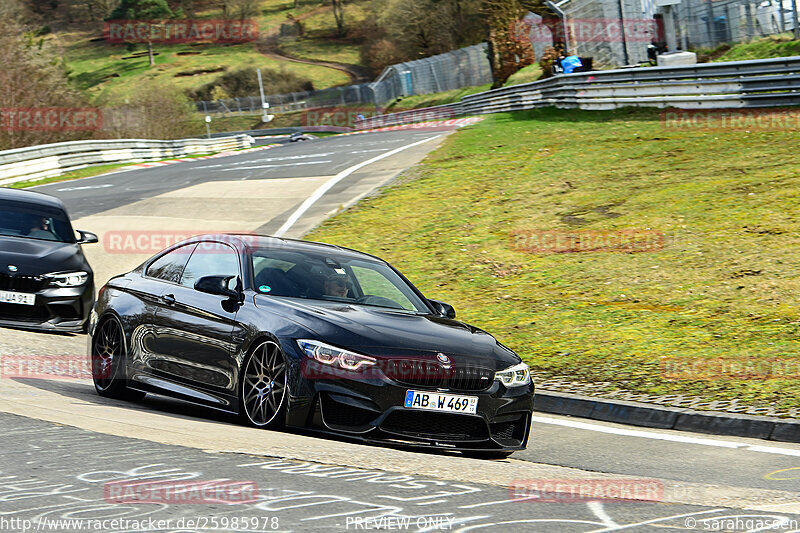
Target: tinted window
[(210, 259), (169, 267), (33, 221), (334, 277)]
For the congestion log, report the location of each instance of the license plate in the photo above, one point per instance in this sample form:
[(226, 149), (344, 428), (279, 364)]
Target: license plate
[(17, 298), (434, 401)]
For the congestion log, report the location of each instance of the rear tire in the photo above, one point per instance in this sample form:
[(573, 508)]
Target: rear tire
[(263, 388), (108, 362)]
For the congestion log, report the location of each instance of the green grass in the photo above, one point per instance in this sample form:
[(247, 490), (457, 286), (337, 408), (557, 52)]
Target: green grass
[(781, 45), (99, 69), (525, 75), (725, 284), (321, 50), (77, 174)]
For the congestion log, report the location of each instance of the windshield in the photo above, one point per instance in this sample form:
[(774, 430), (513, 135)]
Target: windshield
[(32, 221), (332, 277)]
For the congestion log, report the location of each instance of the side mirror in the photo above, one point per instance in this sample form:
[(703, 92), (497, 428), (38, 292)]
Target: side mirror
[(443, 309), (87, 237), (219, 285)]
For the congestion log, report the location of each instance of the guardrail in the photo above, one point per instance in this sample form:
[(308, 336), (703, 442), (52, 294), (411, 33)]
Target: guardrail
[(439, 112), (48, 160), (735, 84)]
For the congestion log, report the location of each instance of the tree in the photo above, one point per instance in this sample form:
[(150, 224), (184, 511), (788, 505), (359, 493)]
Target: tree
[(509, 48), (32, 78), (421, 28), (143, 11), (338, 15)]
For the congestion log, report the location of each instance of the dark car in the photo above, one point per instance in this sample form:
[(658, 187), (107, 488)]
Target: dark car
[(45, 281), (307, 335)]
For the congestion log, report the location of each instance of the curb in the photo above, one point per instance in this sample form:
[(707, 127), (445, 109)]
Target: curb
[(657, 417)]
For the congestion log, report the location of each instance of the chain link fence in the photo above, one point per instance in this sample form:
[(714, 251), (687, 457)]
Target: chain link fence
[(708, 23), (460, 68)]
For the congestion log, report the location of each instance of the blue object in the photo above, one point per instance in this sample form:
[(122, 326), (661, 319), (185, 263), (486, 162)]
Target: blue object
[(570, 63), (265, 288)]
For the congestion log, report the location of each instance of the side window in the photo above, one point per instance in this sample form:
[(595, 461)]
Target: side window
[(210, 259), (169, 267), (374, 284)]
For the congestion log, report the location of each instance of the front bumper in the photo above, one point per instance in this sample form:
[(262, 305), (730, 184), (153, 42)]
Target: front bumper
[(64, 309), (373, 409)]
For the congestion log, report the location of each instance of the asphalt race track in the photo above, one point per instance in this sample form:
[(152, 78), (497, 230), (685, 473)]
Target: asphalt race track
[(63, 444)]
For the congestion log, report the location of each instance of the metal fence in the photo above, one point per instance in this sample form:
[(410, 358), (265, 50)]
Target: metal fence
[(736, 84), (708, 23), (460, 68)]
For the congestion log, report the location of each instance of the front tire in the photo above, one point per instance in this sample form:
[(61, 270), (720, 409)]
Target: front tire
[(263, 387), (108, 362)]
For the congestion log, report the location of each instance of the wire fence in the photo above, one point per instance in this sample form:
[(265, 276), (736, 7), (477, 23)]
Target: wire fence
[(708, 23), (465, 67)]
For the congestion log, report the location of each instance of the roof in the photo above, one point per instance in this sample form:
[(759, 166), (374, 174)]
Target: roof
[(252, 241), (31, 197)]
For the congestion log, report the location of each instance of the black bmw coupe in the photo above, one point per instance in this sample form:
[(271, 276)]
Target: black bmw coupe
[(307, 335), (45, 280)]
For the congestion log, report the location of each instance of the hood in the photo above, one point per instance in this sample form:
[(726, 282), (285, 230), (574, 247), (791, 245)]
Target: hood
[(383, 332), (34, 256)]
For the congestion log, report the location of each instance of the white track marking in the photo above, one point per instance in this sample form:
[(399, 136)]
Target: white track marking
[(276, 166), (86, 187), (328, 185), (600, 512), (657, 520), (666, 436)]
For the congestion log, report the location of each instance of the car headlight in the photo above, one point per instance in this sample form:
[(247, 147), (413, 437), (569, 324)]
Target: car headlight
[(68, 279), (514, 376), (330, 355)]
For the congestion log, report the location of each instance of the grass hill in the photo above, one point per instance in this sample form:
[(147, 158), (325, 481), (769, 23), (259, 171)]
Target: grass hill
[(111, 73)]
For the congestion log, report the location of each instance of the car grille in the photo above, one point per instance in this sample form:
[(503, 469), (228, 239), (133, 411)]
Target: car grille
[(471, 378), (23, 313), (22, 283), (427, 374), (436, 426)]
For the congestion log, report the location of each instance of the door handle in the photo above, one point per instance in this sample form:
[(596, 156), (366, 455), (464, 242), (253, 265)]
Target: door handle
[(168, 299)]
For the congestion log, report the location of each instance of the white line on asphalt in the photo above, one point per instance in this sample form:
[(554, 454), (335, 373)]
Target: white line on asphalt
[(657, 520), (86, 187), (275, 166), (320, 192), (600, 512), (665, 436)]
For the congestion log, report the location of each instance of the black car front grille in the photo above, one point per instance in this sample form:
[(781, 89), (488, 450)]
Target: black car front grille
[(436, 426), (471, 378), (427, 374), (23, 313), (22, 283)]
